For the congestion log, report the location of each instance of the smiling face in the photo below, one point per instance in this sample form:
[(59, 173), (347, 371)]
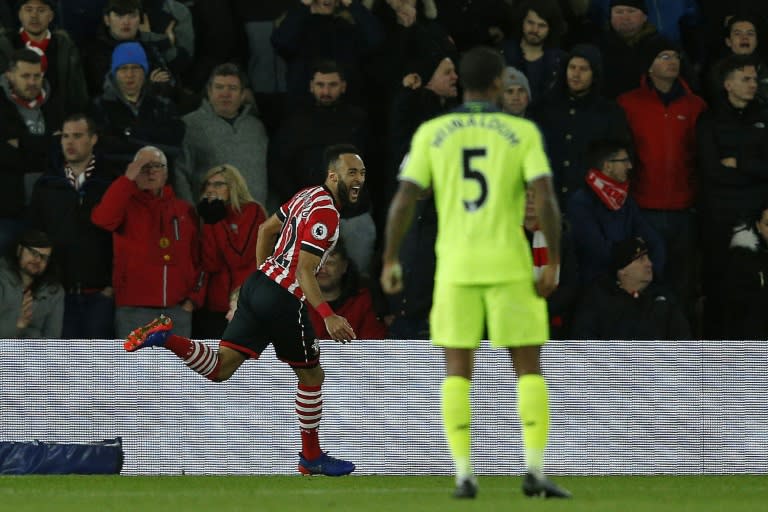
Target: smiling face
[(349, 176)]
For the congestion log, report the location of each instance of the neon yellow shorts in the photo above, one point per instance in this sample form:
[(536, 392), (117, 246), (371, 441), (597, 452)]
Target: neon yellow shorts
[(512, 312)]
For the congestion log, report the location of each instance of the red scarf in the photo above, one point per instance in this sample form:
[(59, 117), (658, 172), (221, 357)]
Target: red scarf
[(37, 46), (612, 193)]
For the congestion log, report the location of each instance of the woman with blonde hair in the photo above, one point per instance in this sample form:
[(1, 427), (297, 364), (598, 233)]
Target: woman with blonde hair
[(231, 219)]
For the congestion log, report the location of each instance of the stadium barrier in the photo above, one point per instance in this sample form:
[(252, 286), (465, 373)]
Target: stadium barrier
[(689, 407)]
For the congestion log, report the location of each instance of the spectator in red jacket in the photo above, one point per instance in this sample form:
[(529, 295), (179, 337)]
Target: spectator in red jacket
[(156, 246), (231, 220), (662, 115), (339, 283)]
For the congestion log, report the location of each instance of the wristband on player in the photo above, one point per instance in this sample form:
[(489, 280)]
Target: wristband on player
[(325, 310)]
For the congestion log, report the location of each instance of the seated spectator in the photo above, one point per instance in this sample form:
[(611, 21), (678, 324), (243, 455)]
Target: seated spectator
[(744, 288), (225, 129), (61, 206), (340, 285), (155, 242), (128, 115), (31, 298), (340, 30), (27, 122), (517, 93), (122, 22), (537, 53), (628, 304), (231, 220), (60, 56), (604, 213)]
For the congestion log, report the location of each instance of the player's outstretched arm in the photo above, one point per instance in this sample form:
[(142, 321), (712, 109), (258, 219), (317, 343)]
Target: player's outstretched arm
[(265, 243), (548, 214), (337, 326), (398, 221)]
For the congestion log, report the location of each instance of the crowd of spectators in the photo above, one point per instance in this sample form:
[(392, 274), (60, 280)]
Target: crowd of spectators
[(144, 141)]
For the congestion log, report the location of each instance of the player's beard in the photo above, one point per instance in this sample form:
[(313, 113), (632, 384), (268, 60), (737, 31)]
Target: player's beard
[(343, 192)]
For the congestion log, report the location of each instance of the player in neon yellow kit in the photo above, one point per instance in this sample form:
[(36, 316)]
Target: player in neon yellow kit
[(478, 162)]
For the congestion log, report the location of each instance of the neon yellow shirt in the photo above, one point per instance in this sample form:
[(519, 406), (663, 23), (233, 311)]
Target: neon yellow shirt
[(478, 160)]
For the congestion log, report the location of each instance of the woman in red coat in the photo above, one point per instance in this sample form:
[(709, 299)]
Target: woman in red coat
[(231, 219)]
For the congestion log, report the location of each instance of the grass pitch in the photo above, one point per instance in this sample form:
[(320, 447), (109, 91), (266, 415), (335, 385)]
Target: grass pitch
[(374, 493)]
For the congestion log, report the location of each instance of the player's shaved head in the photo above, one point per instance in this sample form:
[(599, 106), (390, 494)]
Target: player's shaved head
[(479, 67)]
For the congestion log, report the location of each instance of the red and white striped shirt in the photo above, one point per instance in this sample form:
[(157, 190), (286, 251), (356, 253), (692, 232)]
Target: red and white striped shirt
[(310, 223)]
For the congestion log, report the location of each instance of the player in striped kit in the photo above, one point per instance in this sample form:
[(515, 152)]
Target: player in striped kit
[(271, 308)]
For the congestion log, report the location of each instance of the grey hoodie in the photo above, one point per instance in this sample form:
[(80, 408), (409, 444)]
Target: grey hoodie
[(47, 310)]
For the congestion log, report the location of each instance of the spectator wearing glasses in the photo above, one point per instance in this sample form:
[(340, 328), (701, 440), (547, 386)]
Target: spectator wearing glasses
[(604, 213), (31, 298), (155, 241), (662, 115)]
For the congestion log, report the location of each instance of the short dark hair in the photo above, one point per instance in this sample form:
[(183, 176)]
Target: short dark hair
[(228, 69), (601, 150), (24, 55), (731, 63), (331, 154), (327, 66), (122, 7), (79, 116), (740, 18), (479, 67)]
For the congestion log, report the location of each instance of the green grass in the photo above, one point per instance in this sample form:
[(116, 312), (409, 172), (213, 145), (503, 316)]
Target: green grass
[(374, 493)]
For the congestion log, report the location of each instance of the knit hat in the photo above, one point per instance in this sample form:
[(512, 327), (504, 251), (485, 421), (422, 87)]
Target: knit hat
[(654, 47), (513, 76), (427, 64), (637, 4), (626, 251), (129, 53)]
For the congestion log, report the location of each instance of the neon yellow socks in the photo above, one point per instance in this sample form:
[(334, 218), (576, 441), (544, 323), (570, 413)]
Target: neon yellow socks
[(533, 408), (456, 423)]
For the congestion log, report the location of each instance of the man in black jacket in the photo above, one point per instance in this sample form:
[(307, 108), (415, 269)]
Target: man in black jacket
[(27, 119), (629, 305), (61, 206)]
